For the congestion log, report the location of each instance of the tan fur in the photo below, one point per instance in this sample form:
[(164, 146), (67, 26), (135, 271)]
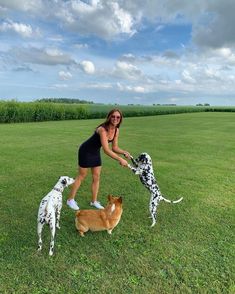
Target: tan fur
[(102, 219)]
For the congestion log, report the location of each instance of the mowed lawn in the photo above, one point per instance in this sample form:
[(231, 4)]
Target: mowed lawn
[(190, 250)]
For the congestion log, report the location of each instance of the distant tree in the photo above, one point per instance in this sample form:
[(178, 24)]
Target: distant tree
[(65, 100), (168, 104)]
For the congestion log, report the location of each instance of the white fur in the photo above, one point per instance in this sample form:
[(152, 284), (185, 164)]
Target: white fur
[(49, 210), (144, 168), (113, 208)]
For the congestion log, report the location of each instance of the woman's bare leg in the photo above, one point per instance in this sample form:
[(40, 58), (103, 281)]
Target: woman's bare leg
[(95, 182), (82, 173)]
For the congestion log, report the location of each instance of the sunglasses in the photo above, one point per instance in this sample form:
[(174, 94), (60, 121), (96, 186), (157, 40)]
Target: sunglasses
[(116, 116)]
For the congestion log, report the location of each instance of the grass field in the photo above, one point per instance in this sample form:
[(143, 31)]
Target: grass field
[(190, 250)]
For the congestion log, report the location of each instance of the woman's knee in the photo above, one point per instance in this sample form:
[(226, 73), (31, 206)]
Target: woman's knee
[(81, 176), (96, 177)]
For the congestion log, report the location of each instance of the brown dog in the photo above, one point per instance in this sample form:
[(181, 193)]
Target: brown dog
[(102, 219)]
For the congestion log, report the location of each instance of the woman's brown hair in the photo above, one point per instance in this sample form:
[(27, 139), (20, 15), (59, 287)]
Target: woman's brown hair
[(108, 118)]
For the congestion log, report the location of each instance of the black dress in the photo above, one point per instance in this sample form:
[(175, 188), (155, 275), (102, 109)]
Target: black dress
[(89, 151)]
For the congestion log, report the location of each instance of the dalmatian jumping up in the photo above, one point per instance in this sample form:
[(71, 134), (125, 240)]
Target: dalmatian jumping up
[(49, 210), (144, 168)]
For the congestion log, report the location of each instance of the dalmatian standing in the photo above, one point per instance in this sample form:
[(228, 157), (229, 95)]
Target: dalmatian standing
[(49, 210), (144, 168)]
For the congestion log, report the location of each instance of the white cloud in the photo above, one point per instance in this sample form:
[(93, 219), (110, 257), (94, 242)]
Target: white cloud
[(81, 46), (139, 89), (212, 73), (123, 18), (128, 58), (99, 86), (56, 38), (126, 70), (48, 56), (224, 52), (87, 66), (203, 64), (60, 86), (53, 52), (174, 99), (64, 75), (110, 19), (22, 5), (223, 56), (165, 11), (24, 30), (212, 21), (129, 88), (85, 8), (187, 77)]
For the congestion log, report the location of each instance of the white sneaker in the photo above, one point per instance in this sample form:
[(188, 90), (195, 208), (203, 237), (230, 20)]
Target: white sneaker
[(97, 205), (72, 204)]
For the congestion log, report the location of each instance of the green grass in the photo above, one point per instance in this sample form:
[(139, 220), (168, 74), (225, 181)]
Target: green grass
[(191, 248)]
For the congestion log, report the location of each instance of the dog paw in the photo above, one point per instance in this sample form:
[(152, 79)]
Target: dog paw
[(81, 234)]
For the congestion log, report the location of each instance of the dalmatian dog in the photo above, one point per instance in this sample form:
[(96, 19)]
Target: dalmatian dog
[(144, 168), (49, 210)]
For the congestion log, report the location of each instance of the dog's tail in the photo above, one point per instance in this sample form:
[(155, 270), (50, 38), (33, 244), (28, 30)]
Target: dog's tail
[(170, 201)]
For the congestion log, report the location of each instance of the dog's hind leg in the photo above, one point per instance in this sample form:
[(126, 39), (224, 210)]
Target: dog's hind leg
[(58, 216), (154, 220), (40, 226), (52, 228), (153, 213), (153, 209), (82, 230)]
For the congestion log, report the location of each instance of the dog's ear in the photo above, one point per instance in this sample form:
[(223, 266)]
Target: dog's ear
[(109, 197), (64, 182), (120, 199)]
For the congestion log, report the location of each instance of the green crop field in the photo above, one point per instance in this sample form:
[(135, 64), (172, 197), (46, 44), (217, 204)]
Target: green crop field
[(15, 112), (190, 250)]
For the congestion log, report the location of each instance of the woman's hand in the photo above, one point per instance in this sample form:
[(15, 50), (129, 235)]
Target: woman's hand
[(123, 162), (127, 154)]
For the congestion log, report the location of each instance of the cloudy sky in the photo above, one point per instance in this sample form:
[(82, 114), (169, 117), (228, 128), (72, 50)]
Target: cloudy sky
[(118, 51)]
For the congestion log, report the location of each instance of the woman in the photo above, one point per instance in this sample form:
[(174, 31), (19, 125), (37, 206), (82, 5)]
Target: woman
[(89, 156)]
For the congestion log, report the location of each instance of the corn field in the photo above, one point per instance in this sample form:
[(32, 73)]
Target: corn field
[(13, 111)]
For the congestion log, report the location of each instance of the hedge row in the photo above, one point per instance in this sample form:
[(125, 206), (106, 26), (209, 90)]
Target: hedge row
[(12, 111)]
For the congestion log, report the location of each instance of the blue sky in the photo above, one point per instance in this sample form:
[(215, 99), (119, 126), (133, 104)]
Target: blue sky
[(165, 52)]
